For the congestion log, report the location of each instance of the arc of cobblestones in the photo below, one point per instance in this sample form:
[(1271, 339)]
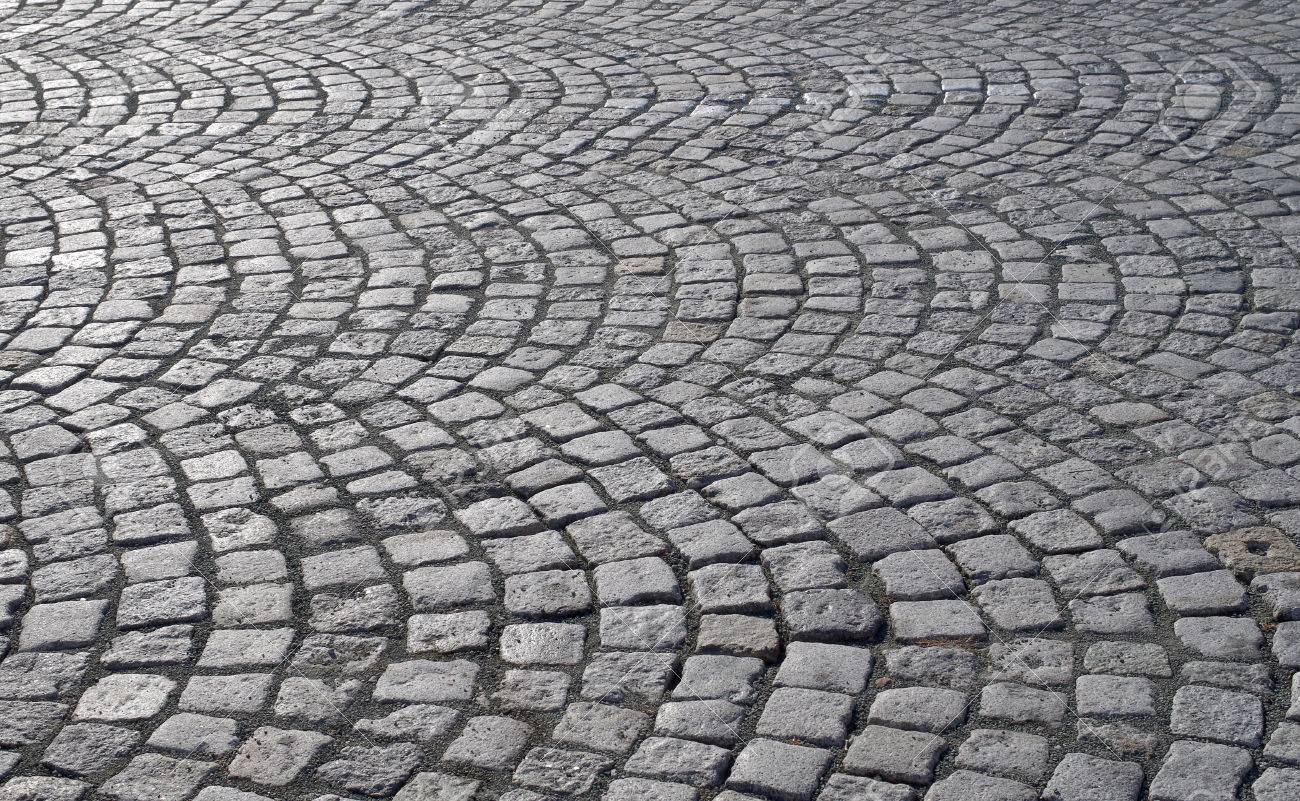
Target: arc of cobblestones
[(648, 401)]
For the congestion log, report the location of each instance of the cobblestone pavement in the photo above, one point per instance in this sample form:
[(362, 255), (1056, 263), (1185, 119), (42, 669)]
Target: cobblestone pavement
[(649, 401)]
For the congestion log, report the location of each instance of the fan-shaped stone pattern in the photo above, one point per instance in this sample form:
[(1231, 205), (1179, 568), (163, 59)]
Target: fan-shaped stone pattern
[(689, 400)]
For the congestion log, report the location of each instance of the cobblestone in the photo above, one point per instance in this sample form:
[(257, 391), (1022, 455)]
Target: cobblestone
[(682, 401)]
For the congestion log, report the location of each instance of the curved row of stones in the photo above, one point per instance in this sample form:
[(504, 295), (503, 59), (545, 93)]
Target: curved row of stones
[(682, 401)]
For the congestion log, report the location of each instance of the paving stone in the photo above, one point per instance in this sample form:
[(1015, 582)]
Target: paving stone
[(1017, 703), (490, 742), (728, 678), (125, 696), (431, 784), (618, 677), (636, 581), (658, 627), (1114, 696), (556, 770), (1058, 531), (818, 666), (919, 576), (448, 632), (215, 793), (1170, 553), (716, 722), (778, 769), (542, 551), (1213, 714), (90, 749), (156, 776), (424, 547), (833, 615), (966, 784), (894, 754), (426, 681), (812, 716), (1221, 637), (192, 735), (876, 533), (600, 727), (1284, 744), (1095, 572), (1128, 613), (738, 635), (359, 565), (423, 722), (53, 788), (1019, 604), (730, 588), (1085, 777), (548, 593), (499, 517), (996, 556), (57, 626), (437, 588), (613, 537), (805, 566), (841, 787), (1258, 550), (917, 621), (933, 666), (244, 648), (275, 757), (684, 761), (1010, 754), (1212, 593), (1197, 769), (1120, 738), (371, 770), (1281, 592), (325, 655), (1032, 660), (710, 542), (648, 789), (921, 708), (1125, 658), (314, 700), (226, 694), (152, 603), (1275, 784)]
